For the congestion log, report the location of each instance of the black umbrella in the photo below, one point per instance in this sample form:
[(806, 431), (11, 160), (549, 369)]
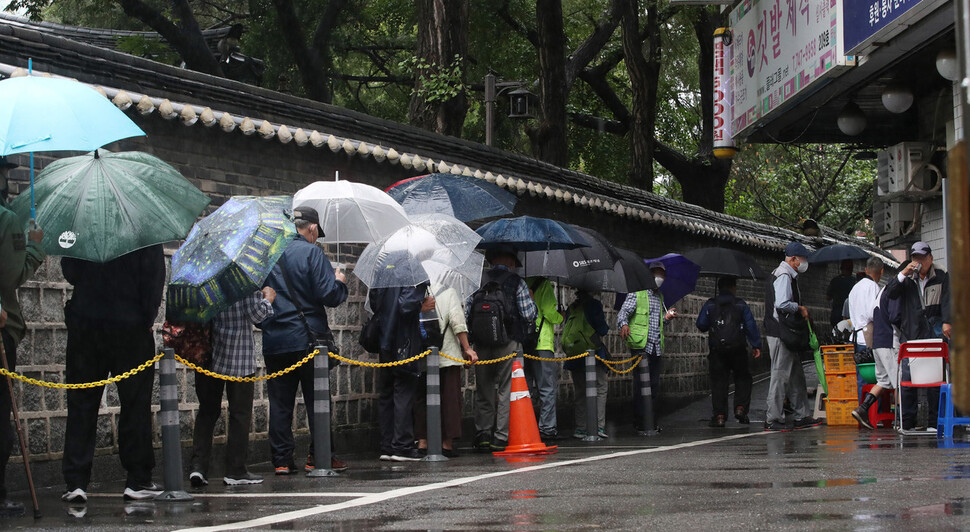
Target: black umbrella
[(837, 253), (594, 268), (721, 261), (638, 275)]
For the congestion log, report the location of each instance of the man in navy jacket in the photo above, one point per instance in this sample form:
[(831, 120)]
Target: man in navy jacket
[(313, 285)]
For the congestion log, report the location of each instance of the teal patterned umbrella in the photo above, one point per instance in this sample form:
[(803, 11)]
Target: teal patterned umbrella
[(227, 256)]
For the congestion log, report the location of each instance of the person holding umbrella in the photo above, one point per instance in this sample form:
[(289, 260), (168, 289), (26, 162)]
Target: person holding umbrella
[(641, 322), (20, 256)]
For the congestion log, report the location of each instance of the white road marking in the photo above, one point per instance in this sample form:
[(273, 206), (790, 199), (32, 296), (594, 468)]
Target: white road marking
[(288, 495), (375, 498)]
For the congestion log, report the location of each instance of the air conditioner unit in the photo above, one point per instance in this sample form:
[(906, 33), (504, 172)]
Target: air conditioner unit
[(899, 219), (882, 173), (903, 159)]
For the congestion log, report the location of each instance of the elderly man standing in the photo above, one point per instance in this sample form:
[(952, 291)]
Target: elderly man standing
[(923, 293), (863, 300), (305, 283), (641, 322), (787, 375), (20, 256)]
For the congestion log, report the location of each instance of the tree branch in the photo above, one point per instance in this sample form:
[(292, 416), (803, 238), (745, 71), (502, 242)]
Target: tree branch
[(594, 43)]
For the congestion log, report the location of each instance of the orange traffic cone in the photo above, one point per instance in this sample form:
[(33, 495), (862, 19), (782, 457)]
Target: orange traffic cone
[(523, 430)]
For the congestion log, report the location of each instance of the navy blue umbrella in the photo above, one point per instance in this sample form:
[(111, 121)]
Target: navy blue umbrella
[(465, 198), (527, 233), (837, 253), (681, 277)]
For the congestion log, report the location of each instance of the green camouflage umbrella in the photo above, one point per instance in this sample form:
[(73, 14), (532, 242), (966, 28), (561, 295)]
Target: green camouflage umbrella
[(102, 205), (228, 255)]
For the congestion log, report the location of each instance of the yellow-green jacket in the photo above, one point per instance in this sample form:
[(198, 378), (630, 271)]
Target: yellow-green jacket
[(545, 298)]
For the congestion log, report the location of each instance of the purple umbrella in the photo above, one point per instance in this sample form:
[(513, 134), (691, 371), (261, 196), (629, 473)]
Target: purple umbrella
[(681, 278)]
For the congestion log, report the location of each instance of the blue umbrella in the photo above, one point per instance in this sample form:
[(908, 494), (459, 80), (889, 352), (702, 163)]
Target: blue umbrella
[(527, 233), (465, 198), (837, 253), (52, 114), (681, 277)]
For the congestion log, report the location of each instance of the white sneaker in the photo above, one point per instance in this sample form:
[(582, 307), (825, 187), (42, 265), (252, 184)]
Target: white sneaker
[(385, 458), (147, 491), (78, 495), (244, 479), (197, 479)]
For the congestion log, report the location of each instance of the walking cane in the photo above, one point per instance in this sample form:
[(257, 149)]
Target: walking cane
[(20, 433)]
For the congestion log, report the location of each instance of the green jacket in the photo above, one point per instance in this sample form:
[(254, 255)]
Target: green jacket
[(545, 298), (19, 258)]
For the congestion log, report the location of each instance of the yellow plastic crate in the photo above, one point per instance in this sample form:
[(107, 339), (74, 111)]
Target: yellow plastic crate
[(842, 386), (839, 411), (838, 361)]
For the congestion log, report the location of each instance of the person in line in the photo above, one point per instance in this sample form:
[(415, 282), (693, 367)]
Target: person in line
[(838, 291), (923, 292), (729, 321), (233, 354), (20, 256), (493, 382), (109, 322), (543, 376), (885, 342), (863, 300), (584, 331), (451, 321), (641, 322), (787, 375), (305, 284), (398, 310)]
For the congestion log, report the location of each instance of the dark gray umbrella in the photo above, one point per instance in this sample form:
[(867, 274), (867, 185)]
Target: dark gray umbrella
[(837, 253), (722, 261)]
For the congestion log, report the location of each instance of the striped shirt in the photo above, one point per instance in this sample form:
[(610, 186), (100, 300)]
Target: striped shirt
[(233, 347)]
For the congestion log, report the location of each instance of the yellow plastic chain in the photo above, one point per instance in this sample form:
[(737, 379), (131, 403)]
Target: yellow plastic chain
[(480, 362), (564, 359), (381, 364), (610, 364), (215, 375), (619, 362), (82, 385)]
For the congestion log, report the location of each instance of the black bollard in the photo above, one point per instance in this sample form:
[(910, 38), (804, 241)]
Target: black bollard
[(168, 418), (592, 419), (322, 457), (434, 410), (646, 398)]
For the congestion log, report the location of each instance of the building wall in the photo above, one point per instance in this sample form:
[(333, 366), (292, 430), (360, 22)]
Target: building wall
[(222, 165)]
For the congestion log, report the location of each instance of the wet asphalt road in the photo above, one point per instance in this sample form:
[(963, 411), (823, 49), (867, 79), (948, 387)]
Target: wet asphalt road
[(690, 477)]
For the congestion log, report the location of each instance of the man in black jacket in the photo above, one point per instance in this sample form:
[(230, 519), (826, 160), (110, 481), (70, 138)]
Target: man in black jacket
[(109, 331), (923, 293)]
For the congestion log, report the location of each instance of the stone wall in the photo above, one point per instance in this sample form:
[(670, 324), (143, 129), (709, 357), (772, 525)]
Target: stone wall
[(223, 165)]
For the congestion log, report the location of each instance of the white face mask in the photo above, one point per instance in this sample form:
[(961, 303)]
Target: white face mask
[(802, 266), (659, 280)]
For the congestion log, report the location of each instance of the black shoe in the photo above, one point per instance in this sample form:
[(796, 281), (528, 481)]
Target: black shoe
[(776, 426), (498, 446), (482, 442), (717, 421), (10, 508), (449, 453), (289, 469), (807, 422), (550, 436), (741, 415), (142, 492), (197, 479), (408, 455), (862, 416)]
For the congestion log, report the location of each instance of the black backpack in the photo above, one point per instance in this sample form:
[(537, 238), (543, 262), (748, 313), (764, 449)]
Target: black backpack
[(493, 317), (727, 327)]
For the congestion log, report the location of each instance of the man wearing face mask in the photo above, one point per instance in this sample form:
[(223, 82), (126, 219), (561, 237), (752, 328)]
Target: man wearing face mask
[(787, 375), (305, 283), (641, 322), (923, 293), (20, 255)]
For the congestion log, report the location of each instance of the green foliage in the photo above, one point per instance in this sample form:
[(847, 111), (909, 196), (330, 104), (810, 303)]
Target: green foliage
[(436, 84)]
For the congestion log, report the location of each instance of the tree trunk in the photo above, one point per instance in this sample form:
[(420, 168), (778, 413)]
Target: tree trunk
[(442, 40), (549, 138), (186, 37), (313, 60), (642, 60)]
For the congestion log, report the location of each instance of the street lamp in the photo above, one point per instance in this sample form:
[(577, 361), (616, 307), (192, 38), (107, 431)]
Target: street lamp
[(522, 102)]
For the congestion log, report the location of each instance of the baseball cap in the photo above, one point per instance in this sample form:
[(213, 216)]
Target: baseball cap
[(920, 248), (656, 264), (796, 249), (309, 214)]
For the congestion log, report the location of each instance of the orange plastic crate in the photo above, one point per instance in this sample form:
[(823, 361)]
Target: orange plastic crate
[(839, 411), (838, 361), (842, 386), (833, 348)]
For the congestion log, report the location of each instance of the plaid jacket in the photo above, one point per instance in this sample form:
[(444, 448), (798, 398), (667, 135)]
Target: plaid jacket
[(233, 347)]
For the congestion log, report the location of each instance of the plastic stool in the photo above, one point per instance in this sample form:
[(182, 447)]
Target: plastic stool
[(947, 417), (881, 410)]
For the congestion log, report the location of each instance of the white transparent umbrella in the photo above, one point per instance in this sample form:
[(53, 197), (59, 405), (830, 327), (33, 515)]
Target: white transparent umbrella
[(464, 278), (352, 212), (397, 259), (450, 231)]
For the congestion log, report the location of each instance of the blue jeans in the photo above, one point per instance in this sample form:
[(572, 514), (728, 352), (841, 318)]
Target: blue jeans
[(543, 380)]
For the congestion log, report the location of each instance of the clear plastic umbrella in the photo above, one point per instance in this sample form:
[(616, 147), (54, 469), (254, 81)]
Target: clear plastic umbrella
[(450, 231), (464, 278), (397, 259), (352, 212)]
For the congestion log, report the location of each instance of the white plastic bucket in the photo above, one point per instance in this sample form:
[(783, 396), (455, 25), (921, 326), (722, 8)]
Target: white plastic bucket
[(926, 370)]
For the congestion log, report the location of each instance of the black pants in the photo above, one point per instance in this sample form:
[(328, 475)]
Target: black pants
[(240, 394), (910, 401), (282, 401), (94, 352), (655, 363), (7, 433), (396, 410), (721, 364)]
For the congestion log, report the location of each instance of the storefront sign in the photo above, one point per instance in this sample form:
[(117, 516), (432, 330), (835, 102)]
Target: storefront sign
[(723, 140), (868, 21), (781, 48)]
